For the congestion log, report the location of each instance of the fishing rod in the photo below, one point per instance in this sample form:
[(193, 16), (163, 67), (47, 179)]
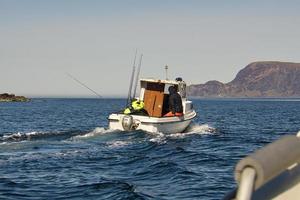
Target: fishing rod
[(84, 85), (131, 80), (137, 75)]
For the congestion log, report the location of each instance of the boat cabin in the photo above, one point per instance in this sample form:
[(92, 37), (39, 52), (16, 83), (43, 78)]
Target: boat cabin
[(155, 95)]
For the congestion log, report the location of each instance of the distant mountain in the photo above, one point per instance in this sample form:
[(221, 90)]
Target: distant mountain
[(258, 79)]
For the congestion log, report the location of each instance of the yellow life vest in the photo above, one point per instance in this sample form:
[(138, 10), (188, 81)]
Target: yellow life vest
[(136, 105), (127, 111)]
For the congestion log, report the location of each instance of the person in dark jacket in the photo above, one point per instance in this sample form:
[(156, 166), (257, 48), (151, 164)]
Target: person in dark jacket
[(175, 103)]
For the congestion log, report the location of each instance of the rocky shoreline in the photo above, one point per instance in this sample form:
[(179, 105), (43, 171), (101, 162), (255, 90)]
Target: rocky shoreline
[(5, 97)]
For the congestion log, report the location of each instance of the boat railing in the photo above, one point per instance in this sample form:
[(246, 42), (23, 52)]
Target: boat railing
[(272, 172)]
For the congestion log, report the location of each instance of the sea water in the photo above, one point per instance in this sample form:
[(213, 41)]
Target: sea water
[(63, 149)]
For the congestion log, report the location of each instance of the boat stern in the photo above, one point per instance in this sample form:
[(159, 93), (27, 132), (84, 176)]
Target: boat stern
[(174, 124)]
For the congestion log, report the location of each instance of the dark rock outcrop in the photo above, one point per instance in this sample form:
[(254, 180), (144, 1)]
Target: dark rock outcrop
[(258, 79), (5, 97)]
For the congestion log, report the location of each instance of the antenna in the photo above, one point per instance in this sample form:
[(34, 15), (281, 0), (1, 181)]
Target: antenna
[(166, 68), (131, 79), (137, 75)]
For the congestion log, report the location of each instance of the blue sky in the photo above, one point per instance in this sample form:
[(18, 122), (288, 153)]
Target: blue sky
[(95, 41)]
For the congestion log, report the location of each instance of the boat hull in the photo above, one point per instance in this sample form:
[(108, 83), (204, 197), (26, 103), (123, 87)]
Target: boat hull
[(151, 124)]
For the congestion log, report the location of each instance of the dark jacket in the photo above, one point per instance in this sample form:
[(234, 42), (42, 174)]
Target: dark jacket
[(175, 102)]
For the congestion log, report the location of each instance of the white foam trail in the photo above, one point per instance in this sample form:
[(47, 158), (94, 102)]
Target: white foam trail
[(159, 138), (194, 129), (118, 144), (96, 132), (201, 129), (20, 136), (29, 156)]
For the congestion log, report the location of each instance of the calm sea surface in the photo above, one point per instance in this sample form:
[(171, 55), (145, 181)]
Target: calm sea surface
[(62, 149)]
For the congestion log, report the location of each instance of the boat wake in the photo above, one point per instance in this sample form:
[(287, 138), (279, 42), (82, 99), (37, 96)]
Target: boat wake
[(58, 135), (96, 132), (118, 144), (193, 129), (34, 135), (200, 129)]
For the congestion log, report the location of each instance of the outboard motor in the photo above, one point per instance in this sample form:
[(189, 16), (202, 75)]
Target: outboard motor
[(127, 122)]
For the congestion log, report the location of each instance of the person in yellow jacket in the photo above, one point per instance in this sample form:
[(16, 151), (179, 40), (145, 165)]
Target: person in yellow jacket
[(136, 107)]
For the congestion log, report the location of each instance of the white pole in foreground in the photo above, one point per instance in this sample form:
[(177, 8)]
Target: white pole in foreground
[(246, 184)]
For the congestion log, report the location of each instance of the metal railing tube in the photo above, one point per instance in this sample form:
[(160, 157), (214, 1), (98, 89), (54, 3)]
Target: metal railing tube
[(246, 184)]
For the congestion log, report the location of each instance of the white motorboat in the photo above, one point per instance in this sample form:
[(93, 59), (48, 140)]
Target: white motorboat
[(154, 94)]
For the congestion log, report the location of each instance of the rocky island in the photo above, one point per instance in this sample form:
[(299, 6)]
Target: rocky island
[(5, 97), (258, 79)]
